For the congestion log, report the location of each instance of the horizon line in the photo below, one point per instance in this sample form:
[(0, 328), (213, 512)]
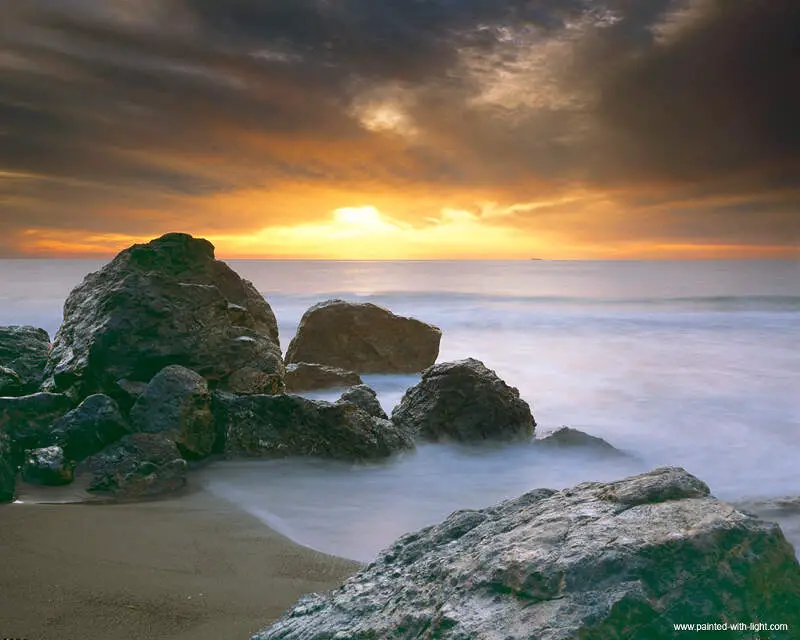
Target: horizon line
[(271, 259)]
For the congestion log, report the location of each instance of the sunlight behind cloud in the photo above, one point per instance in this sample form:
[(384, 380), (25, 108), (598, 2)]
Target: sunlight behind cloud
[(365, 233), (442, 129), (358, 216), (385, 109), (360, 221)]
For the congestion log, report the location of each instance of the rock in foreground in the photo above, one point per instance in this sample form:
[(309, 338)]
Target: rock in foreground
[(139, 465), (464, 401), (48, 466), (304, 376), (28, 420), (363, 337), (24, 350), (289, 425), (622, 560), (177, 402), (90, 427), (165, 302)]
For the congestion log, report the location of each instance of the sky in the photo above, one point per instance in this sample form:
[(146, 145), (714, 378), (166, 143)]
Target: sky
[(402, 129)]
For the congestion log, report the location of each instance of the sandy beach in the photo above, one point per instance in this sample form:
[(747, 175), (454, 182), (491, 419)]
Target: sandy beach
[(188, 566)]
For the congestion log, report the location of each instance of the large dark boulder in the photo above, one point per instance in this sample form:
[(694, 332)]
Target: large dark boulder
[(137, 466), (165, 302), (464, 401), (48, 466), (24, 350), (304, 376), (8, 469), (364, 338), (177, 402), (90, 427), (365, 397), (622, 560), (289, 425), (28, 420)]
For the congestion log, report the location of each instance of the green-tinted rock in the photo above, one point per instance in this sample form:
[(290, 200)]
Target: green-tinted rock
[(626, 560), (24, 350)]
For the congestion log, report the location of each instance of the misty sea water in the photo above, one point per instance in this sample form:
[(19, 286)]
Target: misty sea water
[(689, 363)]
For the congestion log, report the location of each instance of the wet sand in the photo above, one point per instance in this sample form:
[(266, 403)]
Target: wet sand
[(188, 567)]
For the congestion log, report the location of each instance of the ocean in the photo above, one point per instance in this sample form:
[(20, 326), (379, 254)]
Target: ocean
[(689, 363)]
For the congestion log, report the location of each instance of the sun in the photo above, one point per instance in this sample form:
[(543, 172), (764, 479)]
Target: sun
[(358, 217)]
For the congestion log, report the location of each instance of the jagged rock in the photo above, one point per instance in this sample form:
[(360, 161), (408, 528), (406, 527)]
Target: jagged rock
[(24, 350), (627, 559), (304, 376), (249, 380), (28, 420), (569, 438), (289, 425), (138, 465), (165, 302), (90, 427), (177, 402), (10, 383), (464, 401), (48, 466), (364, 396), (8, 469), (364, 338)]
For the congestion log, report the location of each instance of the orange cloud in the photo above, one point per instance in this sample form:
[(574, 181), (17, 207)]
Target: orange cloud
[(581, 226)]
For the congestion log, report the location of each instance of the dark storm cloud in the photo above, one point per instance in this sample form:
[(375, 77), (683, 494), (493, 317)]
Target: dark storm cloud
[(723, 97), (194, 97), (698, 97), (126, 93), (394, 39), (720, 95)]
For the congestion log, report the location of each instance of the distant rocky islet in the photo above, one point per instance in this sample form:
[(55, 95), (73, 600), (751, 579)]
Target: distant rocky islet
[(166, 356)]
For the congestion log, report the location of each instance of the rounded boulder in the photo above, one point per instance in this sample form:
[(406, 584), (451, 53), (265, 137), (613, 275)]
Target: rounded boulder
[(464, 401), (364, 338)]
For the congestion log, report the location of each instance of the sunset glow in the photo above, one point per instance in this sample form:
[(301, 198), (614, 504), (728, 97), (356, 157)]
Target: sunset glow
[(324, 130)]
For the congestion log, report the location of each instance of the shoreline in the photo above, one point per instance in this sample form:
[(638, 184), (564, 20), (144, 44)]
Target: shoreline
[(190, 565)]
